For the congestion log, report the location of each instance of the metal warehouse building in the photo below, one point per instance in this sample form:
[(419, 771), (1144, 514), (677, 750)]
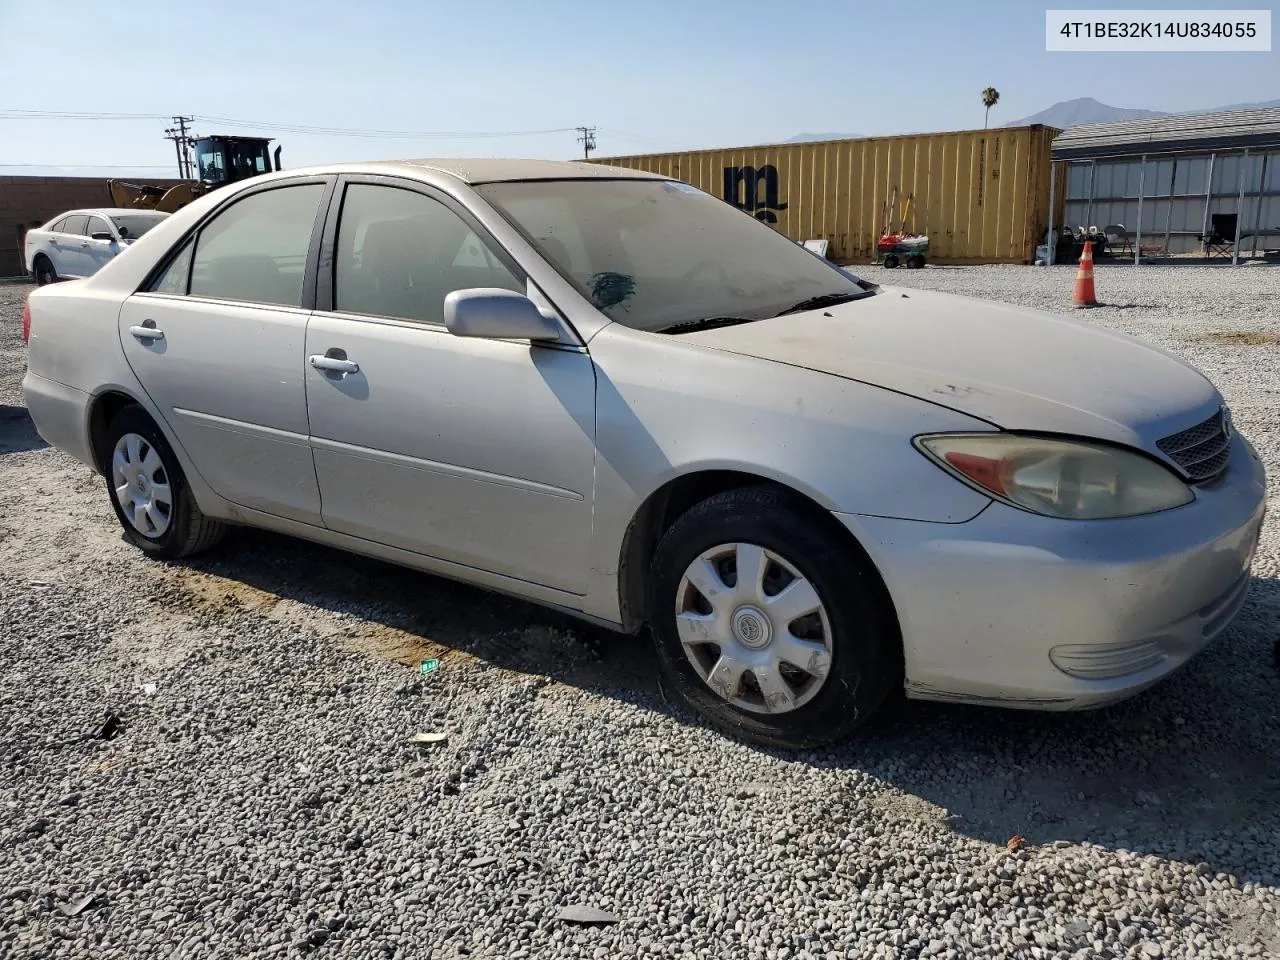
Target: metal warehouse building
[(980, 195), (1207, 183)]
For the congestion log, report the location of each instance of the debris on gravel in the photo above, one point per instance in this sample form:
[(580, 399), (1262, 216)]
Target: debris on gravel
[(265, 800)]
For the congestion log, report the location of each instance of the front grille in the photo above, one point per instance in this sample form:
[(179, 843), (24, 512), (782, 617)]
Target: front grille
[(1201, 450)]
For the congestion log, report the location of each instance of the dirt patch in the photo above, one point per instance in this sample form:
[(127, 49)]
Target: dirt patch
[(201, 594), (1241, 338)]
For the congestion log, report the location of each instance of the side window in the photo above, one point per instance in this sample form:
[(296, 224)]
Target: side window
[(177, 274), (97, 225), (400, 253), (256, 249), (59, 226), (74, 224)]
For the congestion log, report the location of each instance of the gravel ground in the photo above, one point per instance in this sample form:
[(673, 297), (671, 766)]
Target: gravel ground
[(260, 797)]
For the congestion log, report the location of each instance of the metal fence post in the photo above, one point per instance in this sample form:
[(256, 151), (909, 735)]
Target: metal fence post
[(1257, 203), (1208, 199), (1142, 183), (1235, 247), (1051, 236)]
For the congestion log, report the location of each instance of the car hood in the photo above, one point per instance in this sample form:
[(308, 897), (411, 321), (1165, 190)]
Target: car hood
[(1016, 368)]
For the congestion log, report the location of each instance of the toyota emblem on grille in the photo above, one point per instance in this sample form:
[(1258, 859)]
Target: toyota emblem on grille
[(1225, 417)]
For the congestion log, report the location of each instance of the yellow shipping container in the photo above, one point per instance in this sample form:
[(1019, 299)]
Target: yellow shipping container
[(980, 195)]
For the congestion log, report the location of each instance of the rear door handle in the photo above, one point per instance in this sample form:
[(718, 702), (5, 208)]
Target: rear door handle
[(333, 364), (147, 333)]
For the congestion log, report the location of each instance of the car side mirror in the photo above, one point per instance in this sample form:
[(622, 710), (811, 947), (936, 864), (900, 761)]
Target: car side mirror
[(496, 314), (101, 236)]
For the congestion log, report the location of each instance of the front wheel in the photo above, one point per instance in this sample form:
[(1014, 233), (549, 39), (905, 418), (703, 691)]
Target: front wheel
[(768, 624), (891, 261), (149, 492)]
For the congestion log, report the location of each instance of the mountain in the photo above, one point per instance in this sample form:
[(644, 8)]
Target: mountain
[(1258, 105), (1070, 113), (811, 137)]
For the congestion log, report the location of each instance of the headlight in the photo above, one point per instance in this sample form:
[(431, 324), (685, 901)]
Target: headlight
[(1058, 478)]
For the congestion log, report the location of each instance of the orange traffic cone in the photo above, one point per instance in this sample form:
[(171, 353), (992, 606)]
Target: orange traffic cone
[(1083, 294)]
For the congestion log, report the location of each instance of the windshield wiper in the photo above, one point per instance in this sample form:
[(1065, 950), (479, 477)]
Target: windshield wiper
[(705, 323), (825, 300)]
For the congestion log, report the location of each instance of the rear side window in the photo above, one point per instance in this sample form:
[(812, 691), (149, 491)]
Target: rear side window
[(57, 225), (74, 224), (177, 275), (256, 249), (399, 254)]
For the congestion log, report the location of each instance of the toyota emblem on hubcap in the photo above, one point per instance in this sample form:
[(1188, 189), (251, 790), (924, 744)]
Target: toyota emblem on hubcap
[(751, 627)]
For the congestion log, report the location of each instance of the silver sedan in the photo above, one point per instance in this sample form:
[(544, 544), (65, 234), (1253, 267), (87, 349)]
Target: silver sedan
[(610, 393)]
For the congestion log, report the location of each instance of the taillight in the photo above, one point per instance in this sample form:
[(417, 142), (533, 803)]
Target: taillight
[(26, 321)]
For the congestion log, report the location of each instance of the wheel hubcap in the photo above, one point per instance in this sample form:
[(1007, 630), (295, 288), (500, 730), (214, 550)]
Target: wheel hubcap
[(754, 628), (141, 485)]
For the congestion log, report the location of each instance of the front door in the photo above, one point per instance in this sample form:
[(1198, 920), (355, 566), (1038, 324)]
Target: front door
[(474, 451), (217, 342), (98, 253)]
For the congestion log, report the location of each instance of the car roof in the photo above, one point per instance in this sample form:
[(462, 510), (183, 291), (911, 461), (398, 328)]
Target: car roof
[(488, 170), (107, 212)]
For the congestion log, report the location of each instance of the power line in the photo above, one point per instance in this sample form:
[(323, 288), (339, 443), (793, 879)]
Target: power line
[(623, 135), (91, 166), (7, 114), (308, 129), (294, 128)]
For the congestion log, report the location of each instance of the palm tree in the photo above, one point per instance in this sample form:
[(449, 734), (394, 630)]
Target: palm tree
[(990, 97)]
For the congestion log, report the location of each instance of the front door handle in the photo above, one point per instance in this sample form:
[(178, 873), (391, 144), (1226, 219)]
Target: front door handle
[(334, 364), (147, 331)]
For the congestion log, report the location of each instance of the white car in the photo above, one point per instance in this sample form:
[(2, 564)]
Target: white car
[(79, 242), (612, 393)]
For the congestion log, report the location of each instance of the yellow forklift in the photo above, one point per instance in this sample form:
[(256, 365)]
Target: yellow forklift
[(218, 161)]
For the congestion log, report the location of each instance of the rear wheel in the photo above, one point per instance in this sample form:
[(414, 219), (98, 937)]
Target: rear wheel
[(45, 274), (768, 624), (915, 262), (891, 261), (149, 492)]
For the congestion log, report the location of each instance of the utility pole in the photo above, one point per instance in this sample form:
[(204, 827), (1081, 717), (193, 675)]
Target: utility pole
[(588, 140), (181, 144)]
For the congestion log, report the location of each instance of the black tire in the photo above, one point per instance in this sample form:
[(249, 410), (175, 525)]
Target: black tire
[(891, 261), (866, 647), (915, 262), (44, 271), (188, 530)]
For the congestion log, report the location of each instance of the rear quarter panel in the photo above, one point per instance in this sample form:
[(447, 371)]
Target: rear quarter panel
[(74, 340), (35, 241)]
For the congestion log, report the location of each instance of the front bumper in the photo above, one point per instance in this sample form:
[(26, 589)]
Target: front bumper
[(1020, 610)]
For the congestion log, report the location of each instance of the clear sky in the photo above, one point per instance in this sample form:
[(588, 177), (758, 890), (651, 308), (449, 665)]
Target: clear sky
[(653, 75)]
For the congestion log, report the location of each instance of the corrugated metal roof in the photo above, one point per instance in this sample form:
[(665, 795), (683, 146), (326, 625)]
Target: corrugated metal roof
[(1188, 132)]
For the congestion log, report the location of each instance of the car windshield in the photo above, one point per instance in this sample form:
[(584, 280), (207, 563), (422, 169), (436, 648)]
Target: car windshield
[(658, 254), (133, 225)]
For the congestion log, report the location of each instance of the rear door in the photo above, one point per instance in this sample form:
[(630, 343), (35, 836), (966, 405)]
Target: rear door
[(217, 341), (69, 256)]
